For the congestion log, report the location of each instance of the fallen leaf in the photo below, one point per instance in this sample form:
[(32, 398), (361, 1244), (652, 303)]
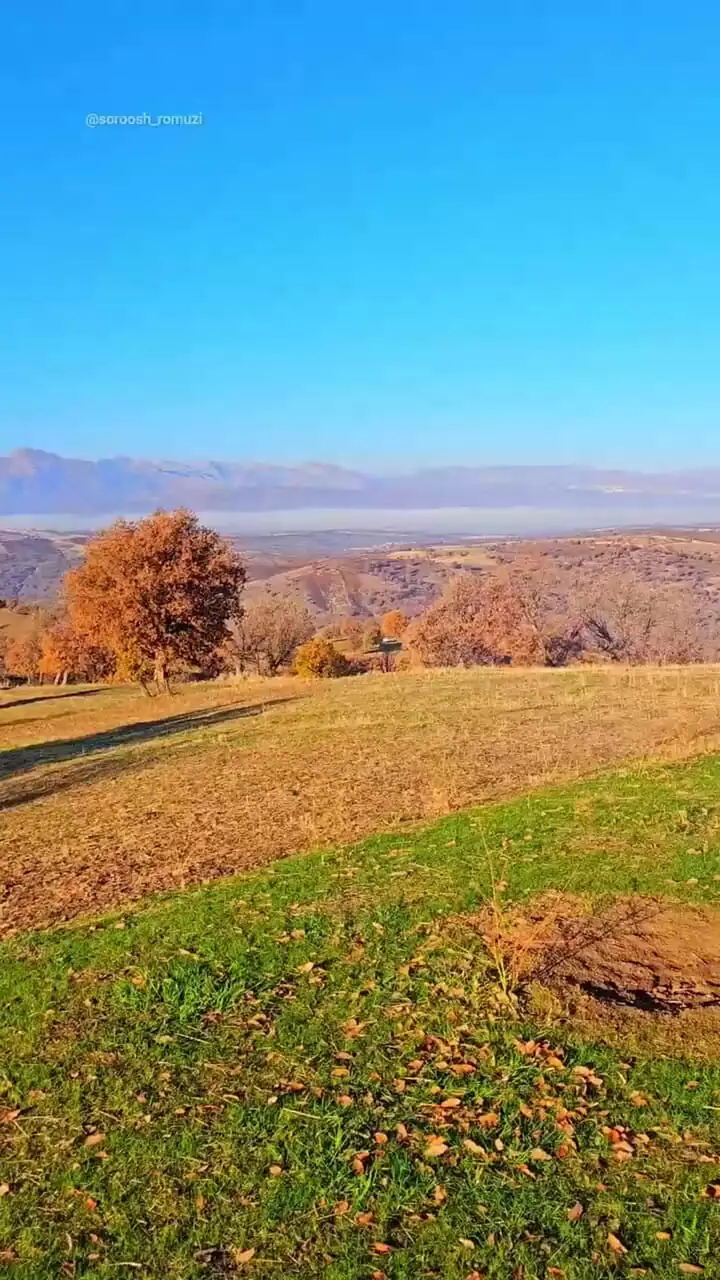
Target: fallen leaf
[(341, 1208), (638, 1099), (537, 1153), (94, 1139), (689, 1269), (450, 1103), (488, 1120), (243, 1255), (344, 1100), (379, 1247), (275, 1170), (339, 1073), (616, 1245), (4, 1188), (473, 1147), (436, 1147), (577, 1211)]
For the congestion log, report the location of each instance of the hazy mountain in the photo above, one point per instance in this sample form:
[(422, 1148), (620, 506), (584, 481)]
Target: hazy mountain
[(39, 483)]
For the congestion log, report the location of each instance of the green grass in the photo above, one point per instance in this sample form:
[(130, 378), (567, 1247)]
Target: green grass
[(172, 1087)]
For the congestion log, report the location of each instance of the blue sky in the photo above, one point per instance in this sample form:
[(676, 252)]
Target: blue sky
[(410, 231)]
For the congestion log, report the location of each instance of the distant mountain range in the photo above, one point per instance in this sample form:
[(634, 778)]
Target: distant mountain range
[(39, 483)]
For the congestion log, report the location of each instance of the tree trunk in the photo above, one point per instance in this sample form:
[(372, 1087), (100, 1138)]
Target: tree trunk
[(161, 680)]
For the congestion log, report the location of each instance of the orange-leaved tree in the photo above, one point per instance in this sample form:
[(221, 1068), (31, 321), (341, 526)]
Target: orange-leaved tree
[(67, 654), (22, 656), (394, 623), (477, 620), (157, 592)]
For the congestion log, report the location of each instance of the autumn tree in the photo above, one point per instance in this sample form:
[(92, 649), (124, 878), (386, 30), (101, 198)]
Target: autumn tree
[(623, 620), (22, 657), (267, 634), (157, 593), (394, 624), (319, 658), (478, 620), (67, 654), (372, 635)]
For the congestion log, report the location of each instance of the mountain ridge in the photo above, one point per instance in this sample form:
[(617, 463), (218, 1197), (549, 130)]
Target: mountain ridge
[(37, 482)]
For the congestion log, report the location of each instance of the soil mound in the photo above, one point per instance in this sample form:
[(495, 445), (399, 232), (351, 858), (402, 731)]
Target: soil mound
[(652, 954), (664, 959)]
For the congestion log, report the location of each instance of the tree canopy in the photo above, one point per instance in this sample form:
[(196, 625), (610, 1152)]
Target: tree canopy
[(157, 593)]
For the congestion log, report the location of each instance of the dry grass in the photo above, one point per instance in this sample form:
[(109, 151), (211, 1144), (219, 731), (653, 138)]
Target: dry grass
[(106, 795), (15, 625)]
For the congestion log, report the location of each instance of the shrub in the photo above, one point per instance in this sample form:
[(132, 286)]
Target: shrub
[(319, 659)]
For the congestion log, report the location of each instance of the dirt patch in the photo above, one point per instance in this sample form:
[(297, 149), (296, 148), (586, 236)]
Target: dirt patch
[(647, 953)]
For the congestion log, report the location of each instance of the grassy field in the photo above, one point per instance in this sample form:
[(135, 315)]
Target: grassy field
[(312, 1069), (106, 795)]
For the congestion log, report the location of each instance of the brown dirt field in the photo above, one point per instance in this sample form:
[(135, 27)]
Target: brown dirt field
[(106, 795)]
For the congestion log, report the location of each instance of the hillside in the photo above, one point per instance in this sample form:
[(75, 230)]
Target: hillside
[(411, 578), (92, 813), (360, 585), (481, 1047), (33, 564), (364, 583)]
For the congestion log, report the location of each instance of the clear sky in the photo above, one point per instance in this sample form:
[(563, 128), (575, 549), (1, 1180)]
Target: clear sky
[(418, 230)]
